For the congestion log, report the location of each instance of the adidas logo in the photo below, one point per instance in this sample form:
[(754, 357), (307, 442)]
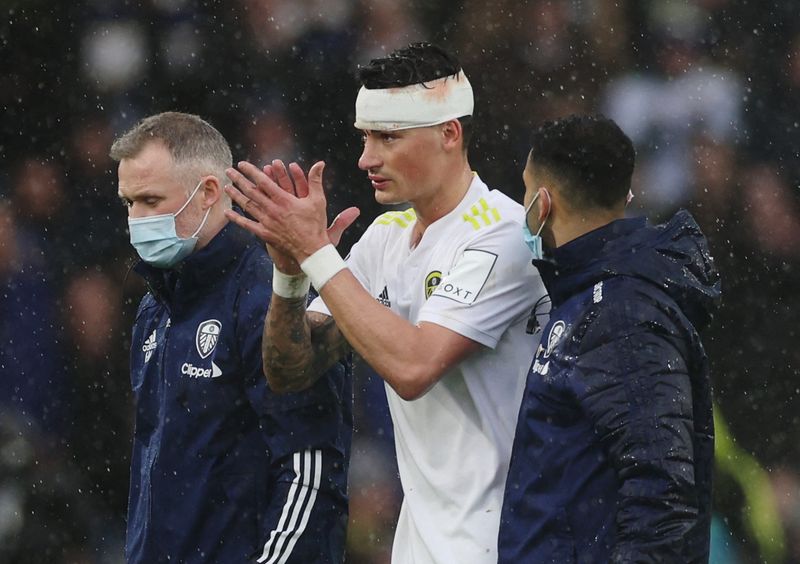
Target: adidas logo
[(149, 346), (384, 297)]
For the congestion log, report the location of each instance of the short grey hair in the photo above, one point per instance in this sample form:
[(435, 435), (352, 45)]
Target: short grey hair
[(196, 147)]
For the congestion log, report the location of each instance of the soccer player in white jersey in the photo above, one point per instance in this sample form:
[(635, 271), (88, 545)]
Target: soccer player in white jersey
[(435, 298)]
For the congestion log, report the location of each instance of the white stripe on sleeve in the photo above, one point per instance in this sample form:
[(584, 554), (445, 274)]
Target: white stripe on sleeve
[(297, 509), (307, 512)]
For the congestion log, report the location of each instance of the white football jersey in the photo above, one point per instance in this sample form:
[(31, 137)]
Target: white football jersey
[(472, 273)]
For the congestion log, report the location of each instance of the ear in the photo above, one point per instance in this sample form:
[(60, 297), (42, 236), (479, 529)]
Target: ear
[(545, 204), (452, 134), (211, 191)]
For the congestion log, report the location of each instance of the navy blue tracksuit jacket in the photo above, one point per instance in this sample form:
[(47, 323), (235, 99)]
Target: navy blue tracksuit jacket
[(614, 446), (223, 470)]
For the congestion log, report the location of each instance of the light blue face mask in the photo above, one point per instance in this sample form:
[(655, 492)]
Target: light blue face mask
[(534, 242), (156, 240)]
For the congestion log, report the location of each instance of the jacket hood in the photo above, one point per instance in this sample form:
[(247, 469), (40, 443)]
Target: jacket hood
[(673, 257)]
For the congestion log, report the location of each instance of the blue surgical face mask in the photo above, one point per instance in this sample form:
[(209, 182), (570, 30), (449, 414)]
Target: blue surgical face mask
[(534, 242), (156, 240)]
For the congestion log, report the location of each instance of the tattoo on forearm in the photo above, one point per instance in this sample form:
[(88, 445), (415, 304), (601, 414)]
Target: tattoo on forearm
[(298, 347), (297, 336), (329, 345)]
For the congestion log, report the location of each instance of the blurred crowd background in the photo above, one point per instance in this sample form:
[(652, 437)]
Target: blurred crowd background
[(707, 89)]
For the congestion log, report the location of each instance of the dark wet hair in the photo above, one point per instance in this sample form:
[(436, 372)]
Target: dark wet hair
[(415, 64), (589, 155)]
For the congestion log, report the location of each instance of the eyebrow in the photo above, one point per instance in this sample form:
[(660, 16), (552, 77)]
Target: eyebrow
[(142, 195), (381, 131)]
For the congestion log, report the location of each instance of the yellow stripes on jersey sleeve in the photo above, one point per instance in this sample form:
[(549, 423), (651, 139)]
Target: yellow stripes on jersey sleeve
[(481, 215), (401, 218)]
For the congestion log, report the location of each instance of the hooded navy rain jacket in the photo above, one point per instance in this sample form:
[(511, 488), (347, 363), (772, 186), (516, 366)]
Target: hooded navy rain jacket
[(614, 446)]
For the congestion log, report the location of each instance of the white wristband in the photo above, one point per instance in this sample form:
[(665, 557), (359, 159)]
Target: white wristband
[(288, 285), (323, 265)]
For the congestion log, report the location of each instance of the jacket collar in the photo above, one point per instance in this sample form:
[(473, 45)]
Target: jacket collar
[(200, 269), (581, 256)]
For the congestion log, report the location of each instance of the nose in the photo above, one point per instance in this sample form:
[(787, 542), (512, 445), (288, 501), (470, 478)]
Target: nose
[(370, 158)]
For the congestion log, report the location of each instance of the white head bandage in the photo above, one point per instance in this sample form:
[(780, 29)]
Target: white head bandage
[(417, 105)]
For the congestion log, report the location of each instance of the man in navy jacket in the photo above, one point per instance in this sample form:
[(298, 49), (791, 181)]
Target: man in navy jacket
[(222, 469), (613, 451)]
